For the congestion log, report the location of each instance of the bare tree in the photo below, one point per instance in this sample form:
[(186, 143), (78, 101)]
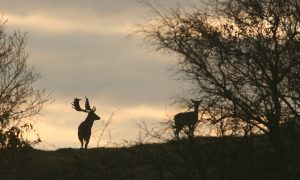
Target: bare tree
[(243, 55), (19, 100), (244, 58)]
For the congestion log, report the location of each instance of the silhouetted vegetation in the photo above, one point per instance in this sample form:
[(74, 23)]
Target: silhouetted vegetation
[(19, 100), (243, 58), (206, 158)]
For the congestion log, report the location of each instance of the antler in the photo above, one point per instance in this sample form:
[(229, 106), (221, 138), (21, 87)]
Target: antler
[(76, 105), (87, 104), (87, 109)]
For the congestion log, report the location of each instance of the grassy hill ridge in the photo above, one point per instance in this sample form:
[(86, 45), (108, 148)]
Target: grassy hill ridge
[(204, 158)]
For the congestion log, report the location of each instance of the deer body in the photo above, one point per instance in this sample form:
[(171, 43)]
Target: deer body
[(84, 129), (188, 119)]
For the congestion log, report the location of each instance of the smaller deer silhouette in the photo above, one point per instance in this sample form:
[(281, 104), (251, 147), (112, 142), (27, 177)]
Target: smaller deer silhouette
[(84, 129), (188, 119)]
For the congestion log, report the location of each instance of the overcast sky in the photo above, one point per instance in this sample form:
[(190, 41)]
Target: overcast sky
[(81, 48)]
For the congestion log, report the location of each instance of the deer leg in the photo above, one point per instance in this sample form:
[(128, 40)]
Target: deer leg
[(87, 142), (177, 130), (191, 131), (176, 136), (81, 141)]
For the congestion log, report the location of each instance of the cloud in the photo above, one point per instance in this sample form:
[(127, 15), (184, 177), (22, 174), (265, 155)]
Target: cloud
[(42, 22), (113, 67), (81, 49), (91, 7)]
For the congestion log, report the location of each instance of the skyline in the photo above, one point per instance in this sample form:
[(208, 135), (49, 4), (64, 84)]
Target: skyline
[(90, 54)]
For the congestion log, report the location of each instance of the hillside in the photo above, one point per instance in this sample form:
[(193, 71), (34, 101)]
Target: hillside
[(204, 158)]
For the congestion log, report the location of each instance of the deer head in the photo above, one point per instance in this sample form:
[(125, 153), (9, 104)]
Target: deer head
[(195, 104)]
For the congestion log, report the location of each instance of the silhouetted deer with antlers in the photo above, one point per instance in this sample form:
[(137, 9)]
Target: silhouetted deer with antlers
[(188, 119), (84, 129)]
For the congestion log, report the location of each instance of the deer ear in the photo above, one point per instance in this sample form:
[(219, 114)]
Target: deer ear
[(192, 101)]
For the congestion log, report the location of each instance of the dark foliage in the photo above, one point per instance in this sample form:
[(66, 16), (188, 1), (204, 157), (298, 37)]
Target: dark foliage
[(243, 58), (19, 100), (227, 158)]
